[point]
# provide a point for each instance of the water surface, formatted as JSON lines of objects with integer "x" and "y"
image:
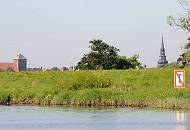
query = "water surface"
{"x": 46, "y": 118}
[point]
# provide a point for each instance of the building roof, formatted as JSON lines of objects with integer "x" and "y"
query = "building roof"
{"x": 19, "y": 56}
{"x": 5, "y": 66}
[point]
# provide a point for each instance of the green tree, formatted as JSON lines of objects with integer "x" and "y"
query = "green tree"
{"x": 10, "y": 69}
{"x": 128, "y": 63}
{"x": 184, "y": 59}
{"x": 106, "y": 57}
{"x": 55, "y": 69}
{"x": 183, "y": 22}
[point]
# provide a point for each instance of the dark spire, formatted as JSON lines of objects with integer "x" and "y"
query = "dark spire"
{"x": 162, "y": 46}
{"x": 162, "y": 49}
{"x": 162, "y": 58}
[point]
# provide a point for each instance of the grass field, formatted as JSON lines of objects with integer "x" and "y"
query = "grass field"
{"x": 135, "y": 88}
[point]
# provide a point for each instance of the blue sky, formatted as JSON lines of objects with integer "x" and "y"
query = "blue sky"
{"x": 56, "y": 32}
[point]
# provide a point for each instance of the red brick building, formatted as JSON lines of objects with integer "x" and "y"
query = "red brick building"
{"x": 19, "y": 64}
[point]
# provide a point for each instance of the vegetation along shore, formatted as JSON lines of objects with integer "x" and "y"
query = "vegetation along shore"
{"x": 134, "y": 88}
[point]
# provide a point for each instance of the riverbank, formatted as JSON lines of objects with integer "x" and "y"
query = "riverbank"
{"x": 134, "y": 88}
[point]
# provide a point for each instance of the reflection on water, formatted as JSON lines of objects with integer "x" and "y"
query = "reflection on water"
{"x": 181, "y": 118}
{"x": 45, "y": 118}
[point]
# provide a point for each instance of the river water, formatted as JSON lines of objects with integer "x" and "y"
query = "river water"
{"x": 48, "y": 118}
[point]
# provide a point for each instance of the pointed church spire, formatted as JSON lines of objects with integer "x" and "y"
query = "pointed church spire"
{"x": 162, "y": 49}
{"x": 162, "y": 58}
{"x": 162, "y": 46}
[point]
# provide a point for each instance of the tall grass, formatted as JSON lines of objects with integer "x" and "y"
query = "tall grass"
{"x": 138, "y": 88}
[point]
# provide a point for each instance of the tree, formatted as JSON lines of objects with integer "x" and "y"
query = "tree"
{"x": 128, "y": 63}
{"x": 10, "y": 69}
{"x": 55, "y": 69}
{"x": 105, "y": 57}
{"x": 183, "y": 22}
{"x": 184, "y": 59}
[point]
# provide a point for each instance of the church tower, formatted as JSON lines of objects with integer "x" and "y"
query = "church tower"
{"x": 20, "y": 63}
{"x": 162, "y": 58}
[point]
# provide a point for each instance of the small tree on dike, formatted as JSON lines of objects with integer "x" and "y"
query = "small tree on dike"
{"x": 105, "y": 57}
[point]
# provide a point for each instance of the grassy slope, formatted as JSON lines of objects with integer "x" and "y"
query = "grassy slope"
{"x": 150, "y": 87}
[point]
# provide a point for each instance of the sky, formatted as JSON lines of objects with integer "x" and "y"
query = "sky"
{"x": 57, "y": 32}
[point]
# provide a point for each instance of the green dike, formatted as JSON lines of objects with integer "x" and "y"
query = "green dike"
{"x": 135, "y": 88}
